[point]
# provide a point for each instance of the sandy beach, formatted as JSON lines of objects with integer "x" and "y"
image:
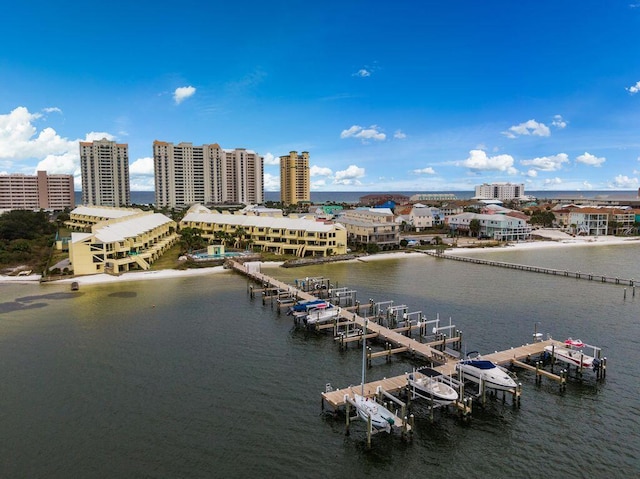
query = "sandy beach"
{"x": 553, "y": 239}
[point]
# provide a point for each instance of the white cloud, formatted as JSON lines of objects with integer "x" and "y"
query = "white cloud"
{"x": 52, "y": 109}
{"x": 530, "y": 127}
{"x": 548, "y": 163}
{"x": 20, "y": 139}
{"x": 182, "y": 93}
{"x": 362, "y": 73}
{"x": 271, "y": 160}
{"x": 320, "y": 171}
{"x": 591, "y": 160}
{"x": 398, "y": 135}
{"x": 318, "y": 184}
{"x": 633, "y": 89}
{"x": 142, "y": 167}
{"x": 349, "y": 176}
{"x": 478, "y": 160}
{"x": 98, "y": 135}
{"x": 552, "y": 181}
{"x": 559, "y": 122}
{"x": 425, "y": 171}
{"x": 532, "y": 173}
{"x": 623, "y": 181}
{"x": 371, "y": 133}
{"x": 271, "y": 182}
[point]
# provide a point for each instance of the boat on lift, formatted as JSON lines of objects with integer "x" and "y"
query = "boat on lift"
{"x": 304, "y": 306}
{"x": 482, "y": 370}
{"x": 320, "y": 315}
{"x": 431, "y": 385}
{"x": 571, "y": 353}
{"x": 381, "y": 417}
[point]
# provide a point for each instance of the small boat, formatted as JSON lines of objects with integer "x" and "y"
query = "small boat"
{"x": 75, "y": 286}
{"x": 570, "y": 355}
{"x": 493, "y": 376}
{"x": 430, "y": 385}
{"x": 320, "y": 315}
{"x": 381, "y": 417}
{"x": 305, "y": 306}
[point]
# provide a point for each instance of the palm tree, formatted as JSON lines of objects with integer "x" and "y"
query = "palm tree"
{"x": 474, "y": 227}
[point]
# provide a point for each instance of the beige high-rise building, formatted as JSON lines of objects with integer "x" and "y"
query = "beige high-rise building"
{"x": 105, "y": 173}
{"x": 207, "y": 174}
{"x": 34, "y": 192}
{"x": 294, "y": 178}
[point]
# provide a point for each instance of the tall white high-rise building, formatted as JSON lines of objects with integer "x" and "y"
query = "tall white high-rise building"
{"x": 105, "y": 173}
{"x": 207, "y": 174}
{"x": 501, "y": 191}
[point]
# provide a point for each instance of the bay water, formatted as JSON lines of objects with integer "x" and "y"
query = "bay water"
{"x": 189, "y": 377}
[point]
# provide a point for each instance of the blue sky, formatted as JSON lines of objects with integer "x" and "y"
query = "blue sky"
{"x": 407, "y": 95}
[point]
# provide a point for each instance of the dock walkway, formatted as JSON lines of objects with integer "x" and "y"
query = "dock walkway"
{"x": 537, "y": 269}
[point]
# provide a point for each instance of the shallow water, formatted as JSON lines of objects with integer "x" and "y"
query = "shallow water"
{"x": 188, "y": 377}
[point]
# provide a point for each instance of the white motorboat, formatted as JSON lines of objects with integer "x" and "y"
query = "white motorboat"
{"x": 381, "y": 417}
{"x": 431, "y": 385}
{"x": 571, "y": 355}
{"x": 321, "y": 315}
{"x": 492, "y": 375}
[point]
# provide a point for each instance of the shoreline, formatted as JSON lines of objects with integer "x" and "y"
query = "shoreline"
{"x": 556, "y": 242}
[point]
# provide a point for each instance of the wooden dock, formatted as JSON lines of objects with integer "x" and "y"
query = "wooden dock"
{"x": 600, "y": 278}
{"x": 525, "y": 356}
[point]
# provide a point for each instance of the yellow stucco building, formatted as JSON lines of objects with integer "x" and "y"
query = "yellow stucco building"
{"x": 282, "y": 235}
{"x": 130, "y": 239}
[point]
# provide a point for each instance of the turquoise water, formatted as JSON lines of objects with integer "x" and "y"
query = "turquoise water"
{"x": 189, "y": 377}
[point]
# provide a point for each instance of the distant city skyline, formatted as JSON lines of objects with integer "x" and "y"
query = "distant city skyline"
{"x": 410, "y": 96}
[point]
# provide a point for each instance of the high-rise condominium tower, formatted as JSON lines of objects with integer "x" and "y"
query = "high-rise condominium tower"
{"x": 105, "y": 173}
{"x": 294, "y": 178}
{"x": 207, "y": 174}
{"x": 33, "y": 192}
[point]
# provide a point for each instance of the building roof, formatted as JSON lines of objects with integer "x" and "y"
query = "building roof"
{"x": 262, "y": 222}
{"x": 122, "y": 230}
{"x": 105, "y": 212}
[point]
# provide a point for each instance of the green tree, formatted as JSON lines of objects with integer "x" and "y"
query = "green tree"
{"x": 474, "y": 227}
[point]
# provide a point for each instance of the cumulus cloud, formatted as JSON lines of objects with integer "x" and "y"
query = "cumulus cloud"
{"x": 633, "y": 89}
{"x": 320, "y": 171}
{"x": 532, "y": 173}
{"x": 398, "y": 135}
{"x": 20, "y": 139}
{"x": 425, "y": 171}
{"x": 623, "y": 181}
{"x": 271, "y": 182}
{"x": 271, "y": 160}
{"x": 559, "y": 122}
{"x": 142, "y": 167}
{"x": 547, "y": 163}
{"x": 591, "y": 160}
{"x": 552, "y": 181}
{"x": 362, "y": 73}
{"x": 530, "y": 127}
{"x": 349, "y": 176}
{"x": 478, "y": 160}
{"x": 52, "y": 109}
{"x": 182, "y": 93}
{"x": 371, "y": 133}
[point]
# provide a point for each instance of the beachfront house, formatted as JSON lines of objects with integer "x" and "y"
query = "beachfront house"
{"x": 494, "y": 226}
{"x": 371, "y": 226}
{"x": 589, "y": 221}
{"x": 281, "y": 235}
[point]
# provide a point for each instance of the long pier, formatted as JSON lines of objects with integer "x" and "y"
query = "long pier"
{"x": 601, "y": 278}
